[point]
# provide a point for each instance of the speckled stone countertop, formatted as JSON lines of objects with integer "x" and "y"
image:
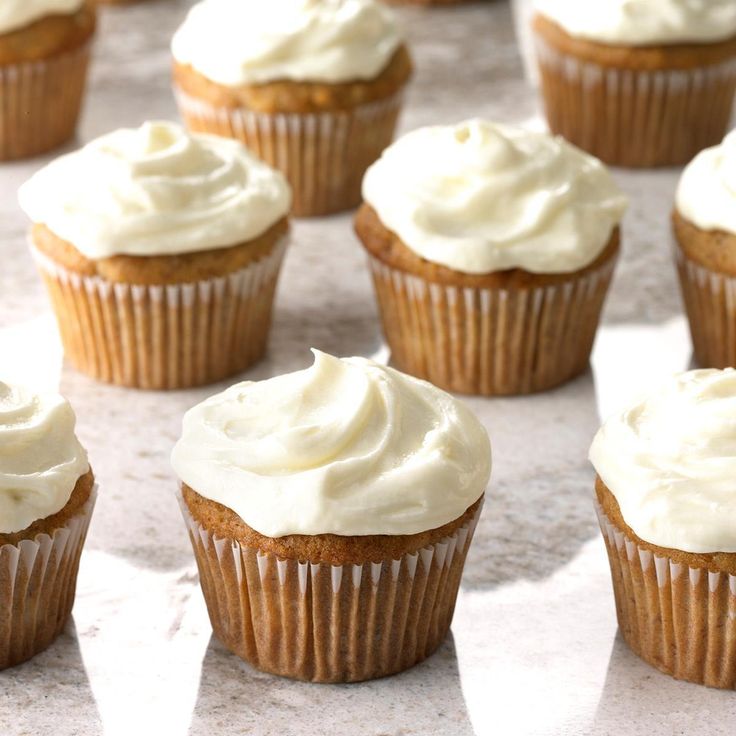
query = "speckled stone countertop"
{"x": 534, "y": 647}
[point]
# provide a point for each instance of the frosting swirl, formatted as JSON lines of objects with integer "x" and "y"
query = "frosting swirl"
{"x": 15, "y": 14}
{"x": 345, "y": 447}
{"x": 479, "y": 197}
{"x": 41, "y": 459}
{"x": 706, "y": 194}
{"x": 670, "y": 461}
{"x": 642, "y": 22}
{"x": 156, "y": 190}
{"x": 299, "y": 40}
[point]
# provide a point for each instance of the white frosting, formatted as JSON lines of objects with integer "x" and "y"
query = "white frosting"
{"x": 670, "y": 461}
{"x": 41, "y": 459}
{"x": 236, "y": 42}
{"x": 15, "y": 14}
{"x": 706, "y": 194}
{"x": 642, "y": 22}
{"x": 156, "y": 190}
{"x": 479, "y": 197}
{"x": 345, "y": 447}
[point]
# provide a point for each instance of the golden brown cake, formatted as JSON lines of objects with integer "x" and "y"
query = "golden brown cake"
{"x": 477, "y": 292}
{"x": 320, "y": 108}
{"x": 43, "y": 71}
{"x": 336, "y": 555}
{"x": 47, "y": 494}
{"x": 635, "y": 105}
{"x": 174, "y": 294}
{"x": 663, "y": 495}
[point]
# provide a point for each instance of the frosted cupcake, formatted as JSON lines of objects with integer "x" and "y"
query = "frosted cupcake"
{"x": 491, "y": 249}
{"x": 666, "y": 504}
{"x": 330, "y": 511}
{"x": 46, "y": 498}
{"x": 161, "y": 252}
{"x": 638, "y": 82}
{"x": 704, "y": 222}
{"x": 314, "y": 88}
{"x": 44, "y": 52}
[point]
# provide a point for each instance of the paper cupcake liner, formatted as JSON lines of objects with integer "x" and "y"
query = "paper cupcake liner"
{"x": 490, "y": 341}
{"x": 164, "y": 337}
{"x": 323, "y": 155}
{"x": 710, "y": 304}
{"x": 38, "y": 579}
{"x": 40, "y": 103}
{"x": 636, "y": 118}
{"x": 680, "y": 619}
{"x": 329, "y": 623}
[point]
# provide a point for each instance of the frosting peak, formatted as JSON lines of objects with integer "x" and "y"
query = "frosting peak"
{"x": 41, "y": 459}
{"x": 479, "y": 197}
{"x": 706, "y": 194}
{"x": 642, "y": 22}
{"x": 236, "y": 42}
{"x": 15, "y": 14}
{"x": 156, "y": 190}
{"x": 670, "y": 461}
{"x": 345, "y": 447}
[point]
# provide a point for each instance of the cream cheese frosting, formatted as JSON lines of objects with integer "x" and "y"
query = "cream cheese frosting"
{"x": 346, "y": 447}
{"x": 236, "y": 42}
{"x": 479, "y": 197}
{"x": 642, "y": 22}
{"x": 41, "y": 459}
{"x": 15, "y": 14}
{"x": 670, "y": 461}
{"x": 156, "y": 190}
{"x": 706, "y": 194}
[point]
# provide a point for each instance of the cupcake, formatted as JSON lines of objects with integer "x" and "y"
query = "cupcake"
{"x": 313, "y": 88}
{"x": 666, "y": 504}
{"x": 160, "y": 251}
{"x": 47, "y": 493}
{"x": 704, "y": 222}
{"x": 330, "y": 511}
{"x": 491, "y": 249}
{"x": 638, "y": 82}
{"x": 44, "y": 53}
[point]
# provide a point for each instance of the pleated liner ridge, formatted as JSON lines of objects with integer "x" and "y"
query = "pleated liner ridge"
{"x": 680, "y": 619}
{"x": 326, "y": 623}
{"x": 490, "y": 341}
{"x": 40, "y": 102}
{"x": 164, "y": 337}
{"x": 636, "y": 118}
{"x": 323, "y": 155}
{"x": 38, "y": 580}
{"x": 710, "y": 303}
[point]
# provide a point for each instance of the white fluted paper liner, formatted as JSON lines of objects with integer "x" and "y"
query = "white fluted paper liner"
{"x": 323, "y": 155}
{"x": 636, "y": 118}
{"x": 680, "y": 619}
{"x": 329, "y": 623}
{"x": 40, "y": 102}
{"x": 164, "y": 337}
{"x": 490, "y": 341}
{"x": 38, "y": 580}
{"x": 710, "y": 304}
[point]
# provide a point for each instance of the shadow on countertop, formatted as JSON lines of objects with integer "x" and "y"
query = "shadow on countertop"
{"x": 237, "y": 699}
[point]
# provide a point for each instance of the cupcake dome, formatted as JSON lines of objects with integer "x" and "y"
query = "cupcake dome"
{"x": 638, "y": 82}
{"x": 170, "y": 244}
{"x": 487, "y": 242}
{"x": 46, "y": 500}
{"x": 705, "y": 234}
{"x": 313, "y": 88}
{"x": 665, "y": 492}
{"x": 349, "y": 475}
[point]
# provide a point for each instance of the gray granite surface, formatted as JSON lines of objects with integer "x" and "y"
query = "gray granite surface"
{"x": 534, "y": 647}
